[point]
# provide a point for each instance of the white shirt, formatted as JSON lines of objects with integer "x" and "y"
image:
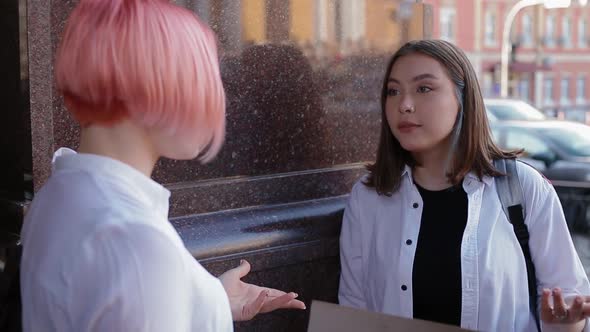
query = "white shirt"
{"x": 99, "y": 254}
{"x": 376, "y": 261}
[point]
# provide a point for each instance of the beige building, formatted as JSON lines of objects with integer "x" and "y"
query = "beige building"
{"x": 333, "y": 26}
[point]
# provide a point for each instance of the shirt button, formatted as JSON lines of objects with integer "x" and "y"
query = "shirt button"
{"x": 415, "y": 205}
{"x": 404, "y": 287}
{"x": 408, "y": 242}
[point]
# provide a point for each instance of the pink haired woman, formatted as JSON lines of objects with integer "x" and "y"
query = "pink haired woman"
{"x": 142, "y": 79}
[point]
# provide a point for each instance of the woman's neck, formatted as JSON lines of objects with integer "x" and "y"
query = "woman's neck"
{"x": 124, "y": 141}
{"x": 431, "y": 174}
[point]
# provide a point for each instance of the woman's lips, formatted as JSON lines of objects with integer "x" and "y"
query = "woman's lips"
{"x": 407, "y": 127}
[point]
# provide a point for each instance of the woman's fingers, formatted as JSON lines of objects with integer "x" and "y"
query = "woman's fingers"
{"x": 577, "y": 308}
{"x": 554, "y": 308}
{"x": 274, "y": 293}
{"x": 560, "y": 309}
{"x": 546, "y": 309}
{"x": 285, "y": 301}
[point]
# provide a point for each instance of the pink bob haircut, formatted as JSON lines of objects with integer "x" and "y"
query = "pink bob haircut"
{"x": 148, "y": 60}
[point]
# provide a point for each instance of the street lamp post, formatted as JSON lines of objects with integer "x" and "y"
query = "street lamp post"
{"x": 549, "y": 4}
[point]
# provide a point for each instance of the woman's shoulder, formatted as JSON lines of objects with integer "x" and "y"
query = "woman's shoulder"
{"x": 126, "y": 247}
{"x": 361, "y": 189}
{"x": 535, "y": 186}
{"x": 367, "y": 195}
{"x": 531, "y": 178}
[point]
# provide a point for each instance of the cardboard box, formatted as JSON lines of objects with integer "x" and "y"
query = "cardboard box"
{"x": 326, "y": 317}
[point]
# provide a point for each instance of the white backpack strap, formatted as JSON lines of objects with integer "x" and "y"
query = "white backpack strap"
{"x": 509, "y": 188}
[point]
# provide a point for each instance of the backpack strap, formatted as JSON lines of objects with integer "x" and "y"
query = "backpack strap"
{"x": 512, "y": 199}
{"x": 509, "y": 188}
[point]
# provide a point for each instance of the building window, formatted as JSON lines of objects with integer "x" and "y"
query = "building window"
{"x": 490, "y": 28}
{"x": 447, "y": 24}
{"x": 581, "y": 90}
{"x": 582, "y": 26}
{"x": 527, "y": 30}
{"x": 524, "y": 89}
{"x": 488, "y": 85}
{"x": 321, "y": 20}
{"x": 550, "y": 31}
{"x": 548, "y": 91}
{"x": 564, "y": 91}
{"x": 566, "y": 32}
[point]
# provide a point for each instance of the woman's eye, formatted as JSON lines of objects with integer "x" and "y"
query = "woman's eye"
{"x": 424, "y": 89}
{"x": 392, "y": 92}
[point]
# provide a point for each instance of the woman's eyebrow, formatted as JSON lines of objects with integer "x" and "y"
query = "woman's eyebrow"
{"x": 416, "y": 78}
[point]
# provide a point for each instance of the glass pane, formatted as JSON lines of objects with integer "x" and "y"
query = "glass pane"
{"x": 514, "y": 110}
{"x": 302, "y": 81}
{"x": 531, "y": 144}
{"x": 574, "y": 140}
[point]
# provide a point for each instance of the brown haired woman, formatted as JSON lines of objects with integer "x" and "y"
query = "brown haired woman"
{"x": 425, "y": 236}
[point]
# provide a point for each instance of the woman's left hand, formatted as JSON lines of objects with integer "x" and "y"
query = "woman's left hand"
{"x": 560, "y": 312}
{"x": 247, "y": 300}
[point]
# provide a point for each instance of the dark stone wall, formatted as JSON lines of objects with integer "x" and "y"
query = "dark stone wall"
{"x": 15, "y": 137}
{"x": 302, "y": 121}
{"x": 14, "y": 118}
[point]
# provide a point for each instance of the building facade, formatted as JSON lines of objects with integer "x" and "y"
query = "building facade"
{"x": 550, "y": 62}
{"x": 330, "y": 26}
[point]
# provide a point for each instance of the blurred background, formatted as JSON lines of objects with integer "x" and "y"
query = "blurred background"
{"x": 303, "y": 79}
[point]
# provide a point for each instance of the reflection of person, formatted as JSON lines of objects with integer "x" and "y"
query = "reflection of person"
{"x": 142, "y": 79}
{"x": 424, "y": 234}
{"x": 274, "y": 92}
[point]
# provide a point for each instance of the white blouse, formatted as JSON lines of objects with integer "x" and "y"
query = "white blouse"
{"x": 100, "y": 255}
{"x": 377, "y": 262}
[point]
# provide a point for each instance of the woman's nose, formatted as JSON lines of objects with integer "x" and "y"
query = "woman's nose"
{"x": 405, "y": 108}
{"x": 406, "y": 105}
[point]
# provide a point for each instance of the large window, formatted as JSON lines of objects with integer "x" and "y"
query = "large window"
{"x": 564, "y": 91}
{"x": 488, "y": 84}
{"x": 581, "y": 90}
{"x": 548, "y": 91}
{"x": 566, "y": 31}
{"x": 524, "y": 88}
{"x": 447, "y": 23}
{"x": 582, "y": 27}
{"x": 550, "y": 31}
{"x": 527, "y": 29}
{"x": 490, "y": 28}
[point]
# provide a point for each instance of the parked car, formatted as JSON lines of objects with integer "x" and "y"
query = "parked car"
{"x": 561, "y": 151}
{"x": 511, "y": 110}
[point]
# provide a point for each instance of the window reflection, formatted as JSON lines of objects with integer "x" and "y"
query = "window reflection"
{"x": 330, "y": 27}
{"x": 302, "y": 80}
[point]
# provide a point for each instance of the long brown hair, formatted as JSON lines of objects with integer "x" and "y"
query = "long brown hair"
{"x": 475, "y": 149}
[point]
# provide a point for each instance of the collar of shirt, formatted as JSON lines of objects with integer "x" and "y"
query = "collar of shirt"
{"x": 130, "y": 180}
{"x": 470, "y": 177}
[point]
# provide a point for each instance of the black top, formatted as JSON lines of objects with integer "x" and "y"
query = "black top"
{"x": 436, "y": 276}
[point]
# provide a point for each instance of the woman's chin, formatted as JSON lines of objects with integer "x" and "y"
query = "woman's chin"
{"x": 413, "y": 147}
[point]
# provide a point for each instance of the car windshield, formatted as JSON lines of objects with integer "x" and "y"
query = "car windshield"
{"x": 491, "y": 116}
{"x": 515, "y": 110}
{"x": 574, "y": 141}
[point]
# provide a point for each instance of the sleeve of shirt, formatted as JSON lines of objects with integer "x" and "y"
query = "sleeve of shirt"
{"x": 129, "y": 277}
{"x": 555, "y": 258}
{"x": 350, "y": 292}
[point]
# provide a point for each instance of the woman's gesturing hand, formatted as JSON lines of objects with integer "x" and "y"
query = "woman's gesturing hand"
{"x": 247, "y": 300}
{"x": 560, "y": 312}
